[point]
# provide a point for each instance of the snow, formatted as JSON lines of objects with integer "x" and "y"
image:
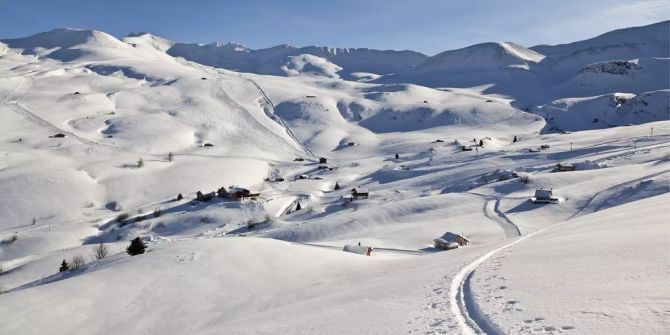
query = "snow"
{"x": 592, "y": 263}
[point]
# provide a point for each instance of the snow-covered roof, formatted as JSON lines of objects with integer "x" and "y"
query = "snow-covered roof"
{"x": 542, "y": 193}
{"x": 449, "y": 237}
{"x": 357, "y": 249}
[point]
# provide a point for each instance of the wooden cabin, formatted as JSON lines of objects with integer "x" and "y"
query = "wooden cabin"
{"x": 358, "y": 249}
{"x": 543, "y": 196}
{"x": 357, "y": 194}
{"x": 563, "y": 167}
{"x": 450, "y": 241}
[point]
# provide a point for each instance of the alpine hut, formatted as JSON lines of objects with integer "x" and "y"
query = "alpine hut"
{"x": 543, "y": 196}
{"x": 450, "y": 241}
{"x": 562, "y": 167}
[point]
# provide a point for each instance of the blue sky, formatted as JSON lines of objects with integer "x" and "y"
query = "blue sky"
{"x": 429, "y": 26}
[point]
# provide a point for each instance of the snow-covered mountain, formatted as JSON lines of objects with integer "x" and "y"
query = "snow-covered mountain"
{"x": 531, "y": 75}
{"x": 271, "y": 60}
{"x": 103, "y": 140}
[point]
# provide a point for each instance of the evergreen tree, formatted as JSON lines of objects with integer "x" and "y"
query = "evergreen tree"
{"x": 64, "y": 266}
{"x": 136, "y": 247}
{"x": 515, "y": 139}
{"x": 481, "y": 143}
{"x": 337, "y": 186}
{"x": 170, "y": 157}
{"x": 298, "y": 207}
{"x": 140, "y": 163}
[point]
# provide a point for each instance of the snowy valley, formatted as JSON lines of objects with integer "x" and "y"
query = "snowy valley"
{"x": 246, "y": 172}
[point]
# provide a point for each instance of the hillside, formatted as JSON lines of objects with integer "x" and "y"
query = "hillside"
{"x": 248, "y": 174}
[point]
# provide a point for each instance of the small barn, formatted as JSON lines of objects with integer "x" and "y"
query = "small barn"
{"x": 357, "y": 194}
{"x": 563, "y": 167}
{"x": 358, "y": 249}
{"x": 450, "y": 241}
{"x": 543, "y": 196}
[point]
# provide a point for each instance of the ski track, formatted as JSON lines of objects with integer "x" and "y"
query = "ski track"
{"x": 278, "y": 118}
{"x": 462, "y": 305}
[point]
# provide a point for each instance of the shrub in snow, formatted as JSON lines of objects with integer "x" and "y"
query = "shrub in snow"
{"x": 64, "y": 266}
{"x": 157, "y": 212}
{"x": 10, "y": 240}
{"x": 136, "y": 247}
{"x": 122, "y": 217}
{"x": 77, "y": 262}
{"x": 251, "y": 224}
{"x": 100, "y": 252}
{"x": 113, "y": 206}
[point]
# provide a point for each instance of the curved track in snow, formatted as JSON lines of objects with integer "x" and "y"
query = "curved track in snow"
{"x": 470, "y": 318}
{"x": 278, "y": 118}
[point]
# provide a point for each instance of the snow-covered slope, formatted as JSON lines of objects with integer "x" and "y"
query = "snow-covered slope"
{"x": 103, "y": 140}
{"x": 618, "y": 109}
{"x": 311, "y": 65}
{"x": 237, "y": 57}
{"x": 627, "y": 43}
{"x": 595, "y": 275}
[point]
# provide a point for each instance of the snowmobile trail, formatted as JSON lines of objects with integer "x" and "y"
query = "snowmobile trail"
{"x": 470, "y": 318}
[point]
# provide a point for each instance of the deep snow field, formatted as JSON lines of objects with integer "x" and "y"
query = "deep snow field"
{"x": 596, "y": 262}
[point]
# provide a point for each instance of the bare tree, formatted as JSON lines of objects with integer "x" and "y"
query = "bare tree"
{"x": 170, "y": 157}
{"x": 100, "y": 252}
{"x": 140, "y": 163}
{"x": 77, "y": 261}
